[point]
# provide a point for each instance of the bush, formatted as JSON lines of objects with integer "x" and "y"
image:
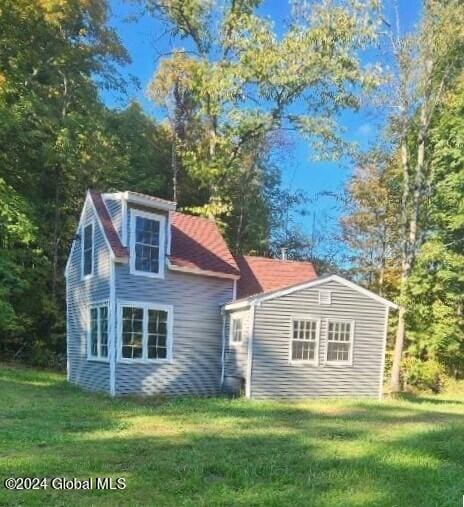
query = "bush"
{"x": 423, "y": 374}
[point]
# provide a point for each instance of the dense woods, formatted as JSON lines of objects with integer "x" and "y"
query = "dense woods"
{"x": 227, "y": 101}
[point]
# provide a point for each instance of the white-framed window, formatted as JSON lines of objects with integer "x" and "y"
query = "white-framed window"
{"x": 325, "y": 297}
{"x": 145, "y": 332}
{"x": 340, "y": 335}
{"x": 147, "y": 243}
{"x": 87, "y": 240}
{"x": 98, "y": 332}
{"x": 304, "y": 340}
{"x": 236, "y": 330}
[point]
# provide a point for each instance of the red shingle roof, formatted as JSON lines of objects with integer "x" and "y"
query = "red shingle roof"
{"x": 197, "y": 243}
{"x": 260, "y": 274}
{"x": 111, "y": 235}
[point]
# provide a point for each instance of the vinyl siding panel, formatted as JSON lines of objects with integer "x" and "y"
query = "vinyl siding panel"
{"x": 81, "y": 294}
{"x": 197, "y": 345}
{"x": 272, "y": 374}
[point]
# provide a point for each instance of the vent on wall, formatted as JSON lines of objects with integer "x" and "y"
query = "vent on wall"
{"x": 325, "y": 297}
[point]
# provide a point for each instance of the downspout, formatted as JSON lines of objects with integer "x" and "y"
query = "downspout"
{"x": 223, "y": 353}
{"x": 250, "y": 351}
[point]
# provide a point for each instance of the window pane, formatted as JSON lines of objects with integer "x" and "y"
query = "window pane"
{"x": 146, "y": 258}
{"x": 305, "y": 330}
{"x": 157, "y": 334}
{"x": 236, "y": 330}
{"x": 147, "y": 231}
{"x": 87, "y": 250}
{"x": 94, "y": 332}
{"x": 132, "y": 332}
{"x": 303, "y": 350}
{"x": 337, "y": 351}
{"x": 104, "y": 331}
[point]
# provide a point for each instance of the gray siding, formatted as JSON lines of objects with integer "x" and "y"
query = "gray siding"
{"x": 197, "y": 347}
{"x": 115, "y": 210}
{"x": 273, "y": 375}
{"x": 80, "y": 295}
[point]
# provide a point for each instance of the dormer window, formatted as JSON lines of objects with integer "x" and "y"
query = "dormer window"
{"x": 87, "y": 250}
{"x": 147, "y": 244}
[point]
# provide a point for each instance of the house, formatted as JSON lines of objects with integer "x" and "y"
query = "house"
{"x": 157, "y": 304}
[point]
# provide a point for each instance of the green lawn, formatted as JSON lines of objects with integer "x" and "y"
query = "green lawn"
{"x": 229, "y": 452}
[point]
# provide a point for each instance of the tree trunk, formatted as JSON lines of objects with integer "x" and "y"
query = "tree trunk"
{"x": 395, "y": 380}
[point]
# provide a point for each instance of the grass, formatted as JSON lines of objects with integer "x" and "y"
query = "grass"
{"x": 193, "y": 452}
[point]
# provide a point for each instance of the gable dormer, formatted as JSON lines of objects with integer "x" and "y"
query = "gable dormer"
{"x": 143, "y": 223}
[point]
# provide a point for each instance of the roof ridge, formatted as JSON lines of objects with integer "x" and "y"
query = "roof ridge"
{"x": 273, "y": 259}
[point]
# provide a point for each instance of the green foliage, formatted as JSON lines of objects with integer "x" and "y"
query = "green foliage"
{"x": 424, "y": 375}
{"x": 57, "y": 141}
{"x": 242, "y": 83}
{"x": 436, "y": 286}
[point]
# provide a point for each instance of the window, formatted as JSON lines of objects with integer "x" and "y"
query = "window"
{"x": 147, "y": 243}
{"x": 339, "y": 341}
{"x": 87, "y": 250}
{"x": 304, "y": 342}
{"x": 98, "y": 332}
{"x": 325, "y": 297}
{"x": 236, "y": 331}
{"x": 145, "y": 332}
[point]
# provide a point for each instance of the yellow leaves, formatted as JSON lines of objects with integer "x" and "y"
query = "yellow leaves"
{"x": 2, "y": 80}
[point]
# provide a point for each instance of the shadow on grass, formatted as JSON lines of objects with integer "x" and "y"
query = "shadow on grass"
{"x": 229, "y": 452}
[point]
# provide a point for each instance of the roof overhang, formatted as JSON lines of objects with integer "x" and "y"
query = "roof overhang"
{"x": 265, "y": 296}
{"x": 143, "y": 200}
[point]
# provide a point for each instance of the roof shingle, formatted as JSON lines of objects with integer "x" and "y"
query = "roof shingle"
{"x": 197, "y": 243}
{"x": 261, "y": 274}
{"x": 108, "y": 227}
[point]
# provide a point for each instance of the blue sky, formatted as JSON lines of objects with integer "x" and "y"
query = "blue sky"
{"x": 146, "y": 42}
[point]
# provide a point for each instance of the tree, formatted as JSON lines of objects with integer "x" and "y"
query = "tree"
{"x": 426, "y": 66}
{"x": 435, "y": 292}
{"x": 369, "y": 223}
{"x": 240, "y": 83}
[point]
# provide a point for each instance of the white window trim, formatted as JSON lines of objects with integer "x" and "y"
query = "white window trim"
{"x": 86, "y": 224}
{"x": 350, "y": 356}
{"x": 90, "y": 357}
{"x": 145, "y": 306}
{"x": 329, "y": 292}
{"x": 134, "y": 213}
{"x": 315, "y": 361}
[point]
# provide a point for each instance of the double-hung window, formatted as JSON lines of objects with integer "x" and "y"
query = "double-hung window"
{"x": 305, "y": 340}
{"x": 87, "y": 250}
{"x": 340, "y": 341}
{"x": 147, "y": 243}
{"x": 98, "y": 332}
{"x": 145, "y": 332}
{"x": 236, "y": 330}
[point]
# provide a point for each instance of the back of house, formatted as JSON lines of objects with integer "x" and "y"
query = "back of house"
{"x": 157, "y": 304}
